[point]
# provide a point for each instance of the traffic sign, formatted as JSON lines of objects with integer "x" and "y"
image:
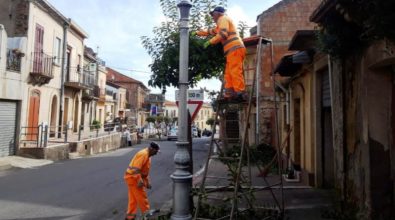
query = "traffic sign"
{"x": 193, "y": 108}
{"x": 193, "y": 95}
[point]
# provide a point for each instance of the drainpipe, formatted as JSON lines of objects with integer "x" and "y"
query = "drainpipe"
{"x": 66, "y": 26}
{"x": 1, "y": 41}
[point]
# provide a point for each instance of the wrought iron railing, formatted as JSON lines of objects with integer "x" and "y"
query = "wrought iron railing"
{"x": 88, "y": 79}
{"x": 42, "y": 64}
{"x": 14, "y": 58}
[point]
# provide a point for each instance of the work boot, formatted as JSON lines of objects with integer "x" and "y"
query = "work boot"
{"x": 240, "y": 96}
{"x": 130, "y": 216}
{"x": 151, "y": 212}
{"x": 228, "y": 94}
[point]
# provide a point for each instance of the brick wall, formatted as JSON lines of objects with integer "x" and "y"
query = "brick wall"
{"x": 279, "y": 23}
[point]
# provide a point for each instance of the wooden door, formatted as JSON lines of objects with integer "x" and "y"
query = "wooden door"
{"x": 34, "y": 107}
{"x": 38, "y": 49}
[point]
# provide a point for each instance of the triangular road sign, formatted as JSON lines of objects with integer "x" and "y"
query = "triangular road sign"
{"x": 193, "y": 108}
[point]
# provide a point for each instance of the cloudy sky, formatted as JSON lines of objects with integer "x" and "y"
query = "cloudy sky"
{"x": 115, "y": 28}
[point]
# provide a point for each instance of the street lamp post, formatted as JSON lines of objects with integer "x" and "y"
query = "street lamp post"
{"x": 182, "y": 177}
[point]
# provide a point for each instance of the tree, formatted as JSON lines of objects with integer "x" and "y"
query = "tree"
{"x": 164, "y": 46}
{"x": 150, "y": 119}
{"x": 210, "y": 121}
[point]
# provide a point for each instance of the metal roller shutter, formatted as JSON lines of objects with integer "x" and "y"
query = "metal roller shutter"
{"x": 7, "y": 128}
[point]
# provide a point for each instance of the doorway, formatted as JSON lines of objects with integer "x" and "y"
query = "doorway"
{"x": 75, "y": 119}
{"x": 52, "y": 125}
{"x": 34, "y": 107}
{"x": 297, "y": 134}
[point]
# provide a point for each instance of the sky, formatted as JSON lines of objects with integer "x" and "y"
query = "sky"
{"x": 115, "y": 27}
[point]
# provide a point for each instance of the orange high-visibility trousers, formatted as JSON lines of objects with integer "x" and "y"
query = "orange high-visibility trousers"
{"x": 234, "y": 77}
{"x": 137, "y": 197}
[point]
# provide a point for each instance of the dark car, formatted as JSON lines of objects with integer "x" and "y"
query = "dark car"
{"x": 207, "y": 133}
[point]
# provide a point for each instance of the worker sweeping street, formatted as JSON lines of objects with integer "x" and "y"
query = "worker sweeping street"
{"x": 234, "y": 50}
{"x": 136, "y": 178}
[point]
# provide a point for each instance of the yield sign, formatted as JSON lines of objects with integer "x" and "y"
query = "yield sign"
{"x": 193, "y": 108}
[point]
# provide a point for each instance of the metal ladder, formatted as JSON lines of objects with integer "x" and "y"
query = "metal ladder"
{"x": 238, "y": 178}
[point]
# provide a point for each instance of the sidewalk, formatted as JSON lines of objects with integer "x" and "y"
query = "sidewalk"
{"x": 301, "y": 202}
{"x": 9, "y": 162}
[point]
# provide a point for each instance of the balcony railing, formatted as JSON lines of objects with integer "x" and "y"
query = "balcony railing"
{"x": 14, "y": 60}
{"x": 88, "y": 78}
{"x": 41, "y": 69}
{"x": 77, "y": 80}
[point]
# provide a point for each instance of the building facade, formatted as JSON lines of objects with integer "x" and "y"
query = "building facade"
{"x": 136, "y": 93}
{"x": 278, "y": 23}
{"x": 52, "y": 47}
{"x": 11, "y": 94}
{"x": 206, "y": 112}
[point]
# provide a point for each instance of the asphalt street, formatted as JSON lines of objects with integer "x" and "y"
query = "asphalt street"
{"x": 87, "y": 188}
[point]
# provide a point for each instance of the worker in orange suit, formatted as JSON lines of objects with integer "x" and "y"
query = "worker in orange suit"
{"x": 234, "y": 50}
{"x": 136, "y": 178}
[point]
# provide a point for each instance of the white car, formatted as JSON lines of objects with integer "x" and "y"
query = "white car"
{"x": 172, "y": 134}
{"x": 194, "y": 132}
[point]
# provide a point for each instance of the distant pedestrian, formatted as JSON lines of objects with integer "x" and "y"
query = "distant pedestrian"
{"x": 136, "y": 178}
{"x": 127, "y": 136}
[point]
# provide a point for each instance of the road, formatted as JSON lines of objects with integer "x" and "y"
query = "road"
{"x": 87, "y": 188}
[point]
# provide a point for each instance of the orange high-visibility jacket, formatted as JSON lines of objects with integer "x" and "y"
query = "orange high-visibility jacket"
{"x": 226, "y": 33}
{"x": 139, "y": 166}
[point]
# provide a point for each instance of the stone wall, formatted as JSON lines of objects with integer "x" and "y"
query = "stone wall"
{"x": 54, "y": 152}
{"x": 97, "y": 145}
{"x": 83, "y": 148}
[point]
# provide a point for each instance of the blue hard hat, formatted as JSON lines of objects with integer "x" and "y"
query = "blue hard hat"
{"x": 218, "y": 9}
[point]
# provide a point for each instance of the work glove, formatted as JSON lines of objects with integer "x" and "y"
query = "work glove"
{"x": 149, "y": 186}
{"x": 206, "y": 44}
{"x": 140, "y": 184}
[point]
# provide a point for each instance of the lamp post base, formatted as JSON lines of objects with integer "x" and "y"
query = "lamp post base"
{"x": 182, "y": 189}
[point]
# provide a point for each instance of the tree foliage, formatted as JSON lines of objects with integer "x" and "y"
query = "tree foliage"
{"x": 163, "y": 47}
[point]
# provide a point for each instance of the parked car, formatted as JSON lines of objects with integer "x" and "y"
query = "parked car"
{"x": 207, "y": 132}
{"x": 194, "y": 132}
{"x": 172, "y": 134}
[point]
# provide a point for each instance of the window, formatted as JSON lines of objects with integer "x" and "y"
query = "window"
{"x": 57, "y": 51}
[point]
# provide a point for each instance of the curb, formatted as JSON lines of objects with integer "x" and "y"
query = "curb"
{"x": 5, "y": 166}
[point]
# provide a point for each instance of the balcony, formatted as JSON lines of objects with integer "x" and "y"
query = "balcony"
{"x": 91, "y": 94}
{"x": 14, "y": 60}
{"x": 78, "y": 81}
{"x": 102, "y": 95}
{"x": 41, "y": 72}
{"x": 96, "y": 91}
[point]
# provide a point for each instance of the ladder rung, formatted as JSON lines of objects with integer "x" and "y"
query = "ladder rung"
{"x": 226, "y": 158}
{"x": 229, "y": 139}
{"x": 217, "y": 177}
{"x": 231, "y": 120}
{"x": 225, "y": 102}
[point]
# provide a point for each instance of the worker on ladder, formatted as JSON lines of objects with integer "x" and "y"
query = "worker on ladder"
{"x": 234, "y": 50}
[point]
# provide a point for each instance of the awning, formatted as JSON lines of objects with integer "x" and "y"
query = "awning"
{"x": 290, "y": 64}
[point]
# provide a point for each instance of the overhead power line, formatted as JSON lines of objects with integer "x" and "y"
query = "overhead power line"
{"x": 131, "y": 70}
